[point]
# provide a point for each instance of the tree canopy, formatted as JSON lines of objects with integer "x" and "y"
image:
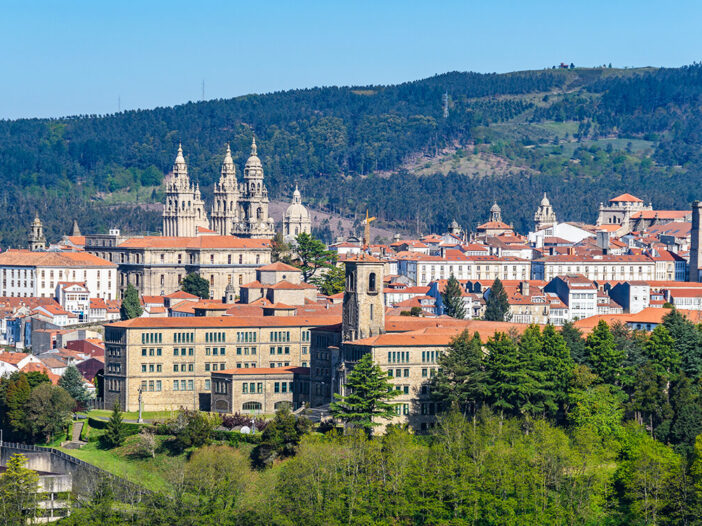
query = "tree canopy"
{"x": 196, "y": 285}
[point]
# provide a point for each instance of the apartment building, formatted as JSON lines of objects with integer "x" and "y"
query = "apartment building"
{"x": 605, "y": 267}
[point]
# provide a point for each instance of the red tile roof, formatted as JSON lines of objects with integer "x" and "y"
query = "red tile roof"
{"x": 198, "y": 242}
{"x": 27, "y": 258}
{"x": 278, "y": 267}
{"x": 627, "y": 198}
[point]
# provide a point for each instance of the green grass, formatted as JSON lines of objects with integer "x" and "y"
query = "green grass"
{"x": 133, "y": 415}
{"x": 152, "y": 473}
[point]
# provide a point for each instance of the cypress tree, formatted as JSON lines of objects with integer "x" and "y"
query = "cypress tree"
{"x": 497, "y": 305}
{"x": 453, "y": 299}
{"x": 72, "y": 381}
{"x": 131, "y": 306}
{"x": 114, "y": 431}
{"x": 660, "y": 350}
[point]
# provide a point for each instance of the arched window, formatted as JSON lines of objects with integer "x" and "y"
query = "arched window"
{"x": 350, "y": 281}
{"x": 251, "y": 406}
{"x": 259, "y": 213}
{"x": 281, "y": 405}
{"x": 296, "y": 231}
{"x": 241, "y": 259}
{"x": 371, "y": 282}
{"x": 258, "y": 258}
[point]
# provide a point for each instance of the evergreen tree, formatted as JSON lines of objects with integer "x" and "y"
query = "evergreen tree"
{"x": 648, "y": 401}
{"x": 19, "y": 488}
{"x": 131, "y": 306}
{"x": 280, "y": 250}
{"x": 196, "y": 285}
{"x": 497, "y": 306}
{"x": 312, "y": 255}
{"x": 72, "y": 381}
{"x": 688, "y": 342}
{"x": 280, "y": 438}
{"x": 602, "y": 355}
{"x": 558, "y": 366}
{"x": 461, "y": 380}
{"x": 660, "y": 350}
{"x": 452, "y": 298}
{"x": 115, "y": 432}
{"x": 17, "y": 395}
{"x": 510, "y": 386}
{"x": 575, "y": 342}
{"x": 369, "y": 390}
{"x": 540, "y": 396}
{"x": 687, "y": 415}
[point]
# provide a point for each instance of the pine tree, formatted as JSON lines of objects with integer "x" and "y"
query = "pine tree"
{"x": 461, "y": 380}
{"x": 575, "y": 342}
{"x": 660, "y": 350}
{"x": 688, "y": 342}
{"x": 602, "y": 355}
{"x": 509, "y": 385}
{"x": 687, "y": 415}
{"x": 558, "y": 365}
{"x": 452, "y": 298}
{"x": 497, "y": 306}
{"x": 131, "y": 306}
{"x": 115, "y": 431}
{"x": 313, "y": 255}
{"x": 369, "y": 390}
{"x": 196, "y": 285}
{"x": 72, "y": 381}
{"x": 538, "y": 394}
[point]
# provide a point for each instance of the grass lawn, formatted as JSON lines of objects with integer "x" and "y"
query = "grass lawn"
{"x": 133, "y": 415}
{"x": 152, "y": 473}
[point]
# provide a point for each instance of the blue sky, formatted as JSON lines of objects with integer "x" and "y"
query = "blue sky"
{"x": 80, "y": 57}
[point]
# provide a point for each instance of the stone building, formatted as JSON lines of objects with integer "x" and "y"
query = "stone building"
{"x": 495, "y": 226}
{"x": 184, "y": 209}
{"x": 364, "y": 304}
{"x": 156, "y": 265}
{"x": 261, "y": 390}
{"x": 695, "y": 243}
{"x": 545, "y": 216}
{"x": 619, "y": 211}
{"x": 253, "y": 220}
{"x": 171, "y": 359}
{"x": 37, "y": 241}
{"x": 225, "y": 208}
{"x": 296, "y": 219}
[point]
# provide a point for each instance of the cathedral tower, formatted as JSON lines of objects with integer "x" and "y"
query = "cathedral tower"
{"x": 184, "y": 210}
{"x": 364, "y": 305}
{"x": 37, "y": 241}
{"x": 226, "y": 197}
{"x": 545, "y": 216}
{"x": 495, "y": 213}
{"x": 253, "y": 220}
{"x": 296, "y": 219}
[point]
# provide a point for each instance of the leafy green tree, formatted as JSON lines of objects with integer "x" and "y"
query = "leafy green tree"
{"x": 600, "y": 409}
{"x": 72, "y": 381}
{"x": 280, "y": 250}
{"x": 17, "y": 395}
{"x": 280, "y": 438}
{"x": 539, "y": 395}
{"x": 602, "y": 355}
{"x": 49, "y": 411}
{"x": 115, "y": 430}
{"x": 35, "y": 378}
{"x": 313, "y": 255}
{"x": 131, "y": 306}
{"x": 660, "y": 349}
{"x": 196, "y": 285}
{"x": 368, "y": 391}
{"x": 19, "y": 488}
{"x": 416, "y": 311}
{"x": 461, "y": 380}
{"x": 497, "y": 305}
{"x": 452, "y": 298}
{"x": 332, "y": 281}
{"x": 198, "y": 428}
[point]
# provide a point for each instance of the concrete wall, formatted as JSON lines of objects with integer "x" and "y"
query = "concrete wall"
{"x": 86, "y": 477}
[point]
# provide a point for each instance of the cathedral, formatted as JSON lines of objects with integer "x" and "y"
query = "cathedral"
{"x": 296, "y": 219}
{"x": 545, "y": 216}
{"x": 238, "y": 209}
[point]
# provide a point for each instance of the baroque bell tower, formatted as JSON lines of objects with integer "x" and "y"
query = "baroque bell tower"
{"x": 253, "y": 220}
{"x": 37, "y": 241}
{"x": 226, "y": 196}
{"x": 184, "y": 210}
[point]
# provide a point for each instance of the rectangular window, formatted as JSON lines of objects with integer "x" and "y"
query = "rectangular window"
{"x": 245, "y": 388}
{"x": 221, "y": 351}
{"x": 143, "y": 352}
{"x": 284, "y": 387}
{"x": 191, "y": 367}
{"x": 158, "y": 368}
{"x": 259, "y": 387}
{"x": 175, "y": 367}
{"x": 158, "y": 385}
{"x": 276, "y": 387}
{"x": 208, "y": 351}
{"x": 207, "y": 385}
{"x": 406, "y": 373}
{"x": 175, "y": 385}
{"x": 424, "y": 372}
{"x": 151, "y": 368}
{"x": 143, "y": 367}
{"x": 191, "y": 385}
{"x": 207, "y": 367}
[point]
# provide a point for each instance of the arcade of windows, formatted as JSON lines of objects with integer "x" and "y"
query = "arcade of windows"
{"x": 246, "y": 337}
{"x": 151, "y": 337}
{"x": 214, "y": 337}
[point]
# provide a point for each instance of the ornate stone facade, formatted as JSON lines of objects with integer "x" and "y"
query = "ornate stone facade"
{"x": 184, "y": 210}
{"x": 545, "y": 216}
{"x": 296, "y": 219}
{"x": 225, "y": 209}
{"x": 253, "y": 220}
{"x": 37, "y": 241}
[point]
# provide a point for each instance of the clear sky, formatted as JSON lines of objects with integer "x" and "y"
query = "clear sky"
{"x": 67, "y": 57}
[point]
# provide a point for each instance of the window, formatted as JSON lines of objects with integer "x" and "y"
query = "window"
{"x": 175, "y": 385}
{"x": 245, "y": 388}
{"x": 207, "y": 385}
{"x": 276, "y": 387}
{"x": 251, "y": 406}
{"x": 191, "y": 385}
{"x": 371, "y": 282}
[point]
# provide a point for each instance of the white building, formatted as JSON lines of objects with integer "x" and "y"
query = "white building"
{"x": 577, "y": 292}
{"x": 606, "y": 267}
{"x": 24, "y": 273}
{"x": 74, "y": 297}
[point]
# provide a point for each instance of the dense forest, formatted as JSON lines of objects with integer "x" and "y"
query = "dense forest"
{"x": 580, "y": 134}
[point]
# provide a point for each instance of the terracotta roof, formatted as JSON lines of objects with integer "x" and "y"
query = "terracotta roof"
{"x": 225, "y": 321}
{"x": 648, "y": 315}
{"x": 205, "y": 230}
{"x": 155, "y": 300}
{"x": 198, "y": 242}
{"x": 40, "y": 368}
{"x": 362, "y": 257}
{"x": 280, "y": 306}
{"x": 609, "y": 228}
{"x": 181, "y": 295}
{"x": 265, "y": 370}
{"x": 12, "y": 357}
{"x": 278, "y": 267}
{"x": 686, "y": 293}
{"x": 627, "y": 198}
{"x": 286, "y": 285}
{"x": 27, "y": 258}
{"x": 494, "y": 225}
{"x": 661, "y": 214}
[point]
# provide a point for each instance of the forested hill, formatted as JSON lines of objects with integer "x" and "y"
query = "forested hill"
{"x": 580, "y": 134}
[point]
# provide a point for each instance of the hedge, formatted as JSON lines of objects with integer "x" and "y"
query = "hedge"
{"x": 129, "y": 428}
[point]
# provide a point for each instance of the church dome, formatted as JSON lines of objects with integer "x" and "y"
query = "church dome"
{"x": 495, "y": 208}
{"x": 297, "y": 210}
{"x": 253, "y": 163}
{"x": 545, "y": 201}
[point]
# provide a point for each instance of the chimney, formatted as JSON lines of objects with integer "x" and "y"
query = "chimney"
{"x": 524, "y": 288}
{"x": 695, "y": 243}
{"x": 603, "y": 241}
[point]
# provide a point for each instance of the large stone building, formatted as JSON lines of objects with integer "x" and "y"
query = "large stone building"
{"x": 545, "y": 216}
{"x": 695, "y": 243}
{"x": 171, "y": 359}
{"x": 296, "y": 219}
{"x": 237, "y": 209}
{"x": 156, "y": 265}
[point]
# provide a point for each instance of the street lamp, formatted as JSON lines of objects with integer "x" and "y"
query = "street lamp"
{"x": 140, "y": 420}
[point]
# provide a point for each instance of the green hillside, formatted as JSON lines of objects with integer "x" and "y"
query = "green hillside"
{"x": 580, "y": 134}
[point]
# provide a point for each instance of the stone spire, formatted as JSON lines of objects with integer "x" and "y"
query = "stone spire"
{"x": 225, "y": 207}
{"x": 76, "y": 229}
